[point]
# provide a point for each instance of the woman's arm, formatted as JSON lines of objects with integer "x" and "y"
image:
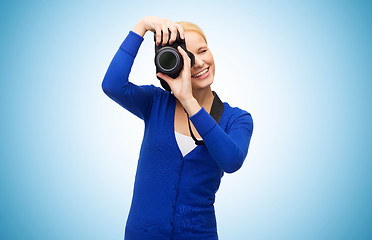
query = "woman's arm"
{"x": 227, "y": 149}
{"x": 136, "y": 99}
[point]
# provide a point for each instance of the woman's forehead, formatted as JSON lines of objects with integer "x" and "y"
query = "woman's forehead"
{"x": 194, "y": 40}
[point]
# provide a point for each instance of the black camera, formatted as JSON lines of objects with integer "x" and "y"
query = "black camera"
{"x": 168, "y": 59}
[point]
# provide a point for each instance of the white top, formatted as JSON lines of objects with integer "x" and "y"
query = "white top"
{"x": 185, "y": 143}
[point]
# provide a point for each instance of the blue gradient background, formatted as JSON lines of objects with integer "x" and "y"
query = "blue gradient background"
{"x": 301, "y": 68}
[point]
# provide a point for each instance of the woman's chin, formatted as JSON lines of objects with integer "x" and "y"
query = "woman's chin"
{"x": 202, "y": 83}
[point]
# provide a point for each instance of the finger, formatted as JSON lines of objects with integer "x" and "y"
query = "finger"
{"x": 158, "y": 35}
{"x": 173, "y": 34}
{"x": 185, "y": 57}
{"x": 165, "y": 34}
{"x": 180, "y": 29}
{"x": 166, "y": 78}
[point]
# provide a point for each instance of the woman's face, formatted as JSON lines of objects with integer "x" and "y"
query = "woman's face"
{"x": 202, "y": 73}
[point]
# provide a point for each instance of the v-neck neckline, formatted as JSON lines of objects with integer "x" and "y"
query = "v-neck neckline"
{"x": 173, "y": 131}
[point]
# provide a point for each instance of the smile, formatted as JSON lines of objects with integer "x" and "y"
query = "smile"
{"x": 202, "y": 74}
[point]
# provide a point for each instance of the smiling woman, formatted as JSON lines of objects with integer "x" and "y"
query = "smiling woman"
{"x": 177, "y": 178}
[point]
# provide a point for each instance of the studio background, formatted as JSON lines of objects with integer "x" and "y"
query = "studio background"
{"x": 301, "y": 68}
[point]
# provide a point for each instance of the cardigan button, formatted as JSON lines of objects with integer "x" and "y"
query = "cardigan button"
{"x": 176, "y": 188}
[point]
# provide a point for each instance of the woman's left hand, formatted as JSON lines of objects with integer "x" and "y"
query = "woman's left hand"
{"x": 181, "y": 86}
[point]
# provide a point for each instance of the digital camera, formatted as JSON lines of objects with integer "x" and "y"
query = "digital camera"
{"x": 168, "y": 59}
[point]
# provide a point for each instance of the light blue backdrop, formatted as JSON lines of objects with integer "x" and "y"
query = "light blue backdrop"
{"x": 301, "y": 68}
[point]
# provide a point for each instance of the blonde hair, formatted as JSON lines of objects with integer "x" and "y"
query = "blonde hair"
{"x": 188, "y": 26}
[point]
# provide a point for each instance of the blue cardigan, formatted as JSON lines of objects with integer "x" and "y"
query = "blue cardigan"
{"x": 173, "y": 195}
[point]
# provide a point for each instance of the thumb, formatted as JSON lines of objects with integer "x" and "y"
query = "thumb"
{"x": 165, "y": 77}
{"x": 186, "y": 58}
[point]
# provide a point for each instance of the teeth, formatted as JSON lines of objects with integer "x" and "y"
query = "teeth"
{"x": 201, "y": 73}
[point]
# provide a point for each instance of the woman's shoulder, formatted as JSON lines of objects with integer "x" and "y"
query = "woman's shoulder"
{"x": 158, "y": 91}
{"x": 161, "y": 93}
{"x": 161, "y": 96}
{"x": 233, "y": 115}
{"x": 234, "y": 111}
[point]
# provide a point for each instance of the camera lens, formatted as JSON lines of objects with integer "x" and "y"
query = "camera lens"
{"x": 167, "y": 60}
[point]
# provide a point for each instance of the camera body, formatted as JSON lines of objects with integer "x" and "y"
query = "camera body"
{"x": 168, "y": 59}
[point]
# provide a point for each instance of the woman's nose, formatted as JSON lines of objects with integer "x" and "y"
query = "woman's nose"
{"x": 198, "y": 62}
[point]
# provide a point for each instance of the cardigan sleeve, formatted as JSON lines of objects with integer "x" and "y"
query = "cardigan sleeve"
{"x": 136, "y": 99}
{"x": 228, "y": 149}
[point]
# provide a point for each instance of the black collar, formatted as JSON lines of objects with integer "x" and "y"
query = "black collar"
{"x": 216, "y": 113}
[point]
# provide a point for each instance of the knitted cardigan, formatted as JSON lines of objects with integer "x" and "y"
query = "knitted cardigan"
{"x": 173, "y": 195}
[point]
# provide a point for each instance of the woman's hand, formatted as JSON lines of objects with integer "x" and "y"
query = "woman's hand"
{"x": 159, "y": 26}
{"x": 181, "y": 86}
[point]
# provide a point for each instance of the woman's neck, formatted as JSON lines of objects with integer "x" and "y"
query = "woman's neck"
{"x": 204, "y": 97}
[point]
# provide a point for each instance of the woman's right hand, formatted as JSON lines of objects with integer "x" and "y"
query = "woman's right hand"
{"x": 158, "y": 26}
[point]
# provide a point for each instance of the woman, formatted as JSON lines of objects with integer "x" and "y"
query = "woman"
{"x": 176, "y": 180}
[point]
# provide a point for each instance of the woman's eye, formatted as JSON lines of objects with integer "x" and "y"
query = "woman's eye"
{"x": 203, "y": 51}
